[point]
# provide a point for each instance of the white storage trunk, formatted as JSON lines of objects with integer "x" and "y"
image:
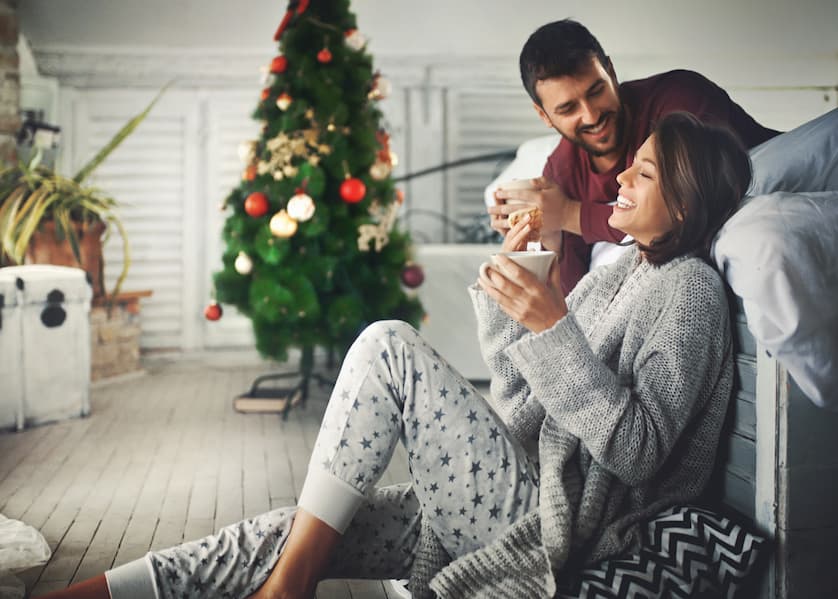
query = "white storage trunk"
{"x": 11, "y": 367}
{"x": 54, "y": 341}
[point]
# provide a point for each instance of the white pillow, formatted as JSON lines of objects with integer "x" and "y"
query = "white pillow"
{"x": 779, "y": 253}
{"x": 803, "y": 159}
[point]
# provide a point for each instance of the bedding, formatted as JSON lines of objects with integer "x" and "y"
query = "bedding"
{"x": 779, "y": 253}
{"x": 803, "y": 159}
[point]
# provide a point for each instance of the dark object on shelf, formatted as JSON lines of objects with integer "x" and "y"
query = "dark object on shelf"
{"x": 35, "y": 134}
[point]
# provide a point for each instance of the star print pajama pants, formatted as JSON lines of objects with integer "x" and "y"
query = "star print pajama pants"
{"x": 469, "y": 479}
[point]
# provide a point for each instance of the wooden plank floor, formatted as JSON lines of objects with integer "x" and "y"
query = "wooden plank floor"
{"x": 161, "y": 459}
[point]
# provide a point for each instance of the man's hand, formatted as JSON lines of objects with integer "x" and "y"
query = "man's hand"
{"x": 560, "y": 213}
{"x": 520, "y": 294}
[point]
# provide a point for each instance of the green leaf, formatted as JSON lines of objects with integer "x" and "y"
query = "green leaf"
{"x": 117, "y": 139}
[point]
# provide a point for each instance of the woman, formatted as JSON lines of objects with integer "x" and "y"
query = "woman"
{"x": 607, "y": 408}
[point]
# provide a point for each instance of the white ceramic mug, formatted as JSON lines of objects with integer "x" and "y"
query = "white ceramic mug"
{"x": 538, "y": 263}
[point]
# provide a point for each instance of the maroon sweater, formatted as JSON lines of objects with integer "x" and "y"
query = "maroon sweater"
{"x": 647, "y": 101}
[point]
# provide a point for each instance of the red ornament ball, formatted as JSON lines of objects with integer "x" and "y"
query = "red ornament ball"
{"x": 250, "y": 173}
{"x": 352, "y": 190}
{"x": 266, "y": 93}
{"x": 412, "y": 275}
{"x": 279, "y": 64}
{"x": 256, "y": 204}
{"x": 324, "y": 56}
{"x": 213, "y": 311}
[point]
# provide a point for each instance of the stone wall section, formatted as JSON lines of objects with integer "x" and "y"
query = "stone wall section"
{"x": 9, "y": 81}
{"x": 115, "y": 337}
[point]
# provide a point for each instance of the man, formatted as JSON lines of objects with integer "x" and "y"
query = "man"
{"x": 574, "y": 90}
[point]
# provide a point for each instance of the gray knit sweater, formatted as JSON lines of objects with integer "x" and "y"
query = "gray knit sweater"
{"x": 624, "y": 399}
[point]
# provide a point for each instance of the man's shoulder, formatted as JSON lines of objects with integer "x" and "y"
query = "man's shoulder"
{"x": 678, "y": 79}
{"x": 563, "y": 160}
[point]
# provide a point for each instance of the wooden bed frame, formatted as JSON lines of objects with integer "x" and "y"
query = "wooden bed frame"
{"x": 778, "y": 471}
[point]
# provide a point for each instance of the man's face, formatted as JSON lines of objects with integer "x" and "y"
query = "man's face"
{"x": 584, "y": 108}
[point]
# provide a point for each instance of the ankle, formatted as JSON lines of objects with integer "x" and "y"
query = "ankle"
{"x": 285, "y": 584}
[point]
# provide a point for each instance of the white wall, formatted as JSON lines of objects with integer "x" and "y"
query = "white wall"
{"x": 464, "y": 27}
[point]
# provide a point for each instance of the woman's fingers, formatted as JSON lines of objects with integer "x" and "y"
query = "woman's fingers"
{"x": 516, "y": 238}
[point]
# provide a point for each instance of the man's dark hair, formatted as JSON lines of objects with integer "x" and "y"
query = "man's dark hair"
{"x": 557, "y": 49}
{"x": 703, "y": 172}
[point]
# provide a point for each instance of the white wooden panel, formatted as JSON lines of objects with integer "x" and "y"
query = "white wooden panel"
{"x": 228, "y": 124}
{"x": 426, "y": 147}
{"x": 151, "y": 175}
{"x": 785, "y": 109}
{"x": 484, "y": 121}
{"x": 451, "y": 327}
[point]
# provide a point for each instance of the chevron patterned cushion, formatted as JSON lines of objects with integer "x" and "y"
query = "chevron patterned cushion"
{"x": 687, "y": 552}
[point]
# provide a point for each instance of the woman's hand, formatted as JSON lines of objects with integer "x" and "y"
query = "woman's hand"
{"x": 516, "y": 238}
{"x": 522, "y": 296}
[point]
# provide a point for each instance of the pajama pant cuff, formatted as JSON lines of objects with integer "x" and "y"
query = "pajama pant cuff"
{"x": 329, "y": 499}
{"x": 134, "y": 580}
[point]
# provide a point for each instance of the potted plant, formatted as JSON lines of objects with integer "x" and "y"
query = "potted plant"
{"x": 48, "y": 218}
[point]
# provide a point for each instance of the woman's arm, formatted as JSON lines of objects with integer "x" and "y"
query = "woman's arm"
{"x": 630, "y": 423}
{"x": 511, "y": 395}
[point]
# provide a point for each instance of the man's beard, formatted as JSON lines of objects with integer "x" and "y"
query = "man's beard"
{"x": 577, "y": 140}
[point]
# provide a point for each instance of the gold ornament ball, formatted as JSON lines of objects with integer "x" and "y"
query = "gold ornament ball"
{"x": 380, "y": 170}
{"x": 385, "y": 88}
{"x": 283, "y": 101}
{"x": 301, "y": 207}
{"x": 355, "y": 39}
{"x": 282, "y": 225}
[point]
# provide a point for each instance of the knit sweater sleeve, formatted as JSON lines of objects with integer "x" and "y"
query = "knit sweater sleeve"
{"x": 511, "y": 396}
{"x": 630, "y": 422}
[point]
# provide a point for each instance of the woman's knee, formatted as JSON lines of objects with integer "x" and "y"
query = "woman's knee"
{"x": 387, "y": 329}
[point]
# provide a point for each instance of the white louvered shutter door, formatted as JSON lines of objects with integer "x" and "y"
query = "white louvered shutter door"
{"x": 151, "y": 175}
{"x": 482, "y": 122}
{"x": 229, "y": 124}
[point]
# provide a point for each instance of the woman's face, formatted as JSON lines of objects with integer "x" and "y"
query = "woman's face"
{"x": 640, "y": 210}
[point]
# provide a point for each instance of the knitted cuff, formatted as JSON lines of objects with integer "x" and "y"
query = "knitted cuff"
{"x": 328, "y": 498}
{"x": 134, "y": 580}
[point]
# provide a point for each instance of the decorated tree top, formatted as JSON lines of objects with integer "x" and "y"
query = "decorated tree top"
{"x": 313, "y": 248}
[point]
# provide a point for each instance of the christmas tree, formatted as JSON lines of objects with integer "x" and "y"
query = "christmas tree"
{"x": 313, "y": 250}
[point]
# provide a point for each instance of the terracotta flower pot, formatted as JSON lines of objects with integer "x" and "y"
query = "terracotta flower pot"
{"x": 44, "y": 248}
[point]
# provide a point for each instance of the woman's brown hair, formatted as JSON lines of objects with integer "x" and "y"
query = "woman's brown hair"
{"x": 704, "y": 171}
